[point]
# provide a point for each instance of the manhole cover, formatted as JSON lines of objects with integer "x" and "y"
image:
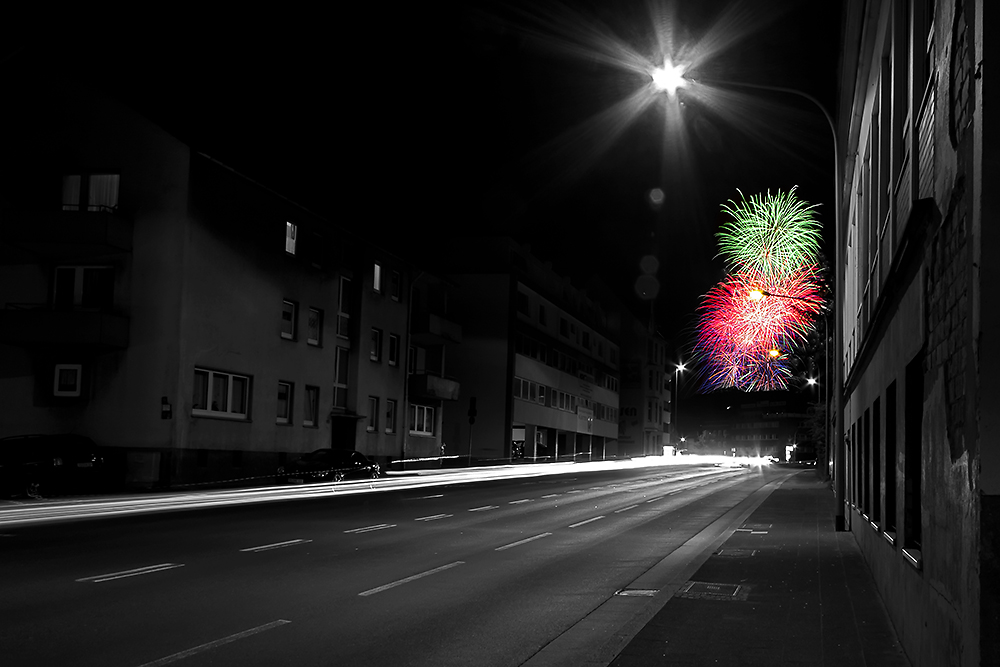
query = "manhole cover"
{"x": 638, "y": 592}
{"x": 704, "y": 590}
{"x": 735, "y": 553}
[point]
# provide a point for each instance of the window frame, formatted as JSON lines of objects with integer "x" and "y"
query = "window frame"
{"x": 390, "y": 415}
{"x": 318, "y": 340}
{"x": 344, "y": 308}
{"x": 375, "y": 350}
{"x": 229, "y": 413}
{"x": 373, "y": 409}
{"x": 426, "y": 412}
{"x": 291, "y": 237}
{"x": 311, "y": 407}
{"x": 77, "y": 389}
{"x": 395, "y": 285}
{"x": 285, "y": 419}
{"x": 377, "y": 278}
{"x": 393, "y": 353}
{"x": 294, "y": 319}
{"x": 341, "y": 369}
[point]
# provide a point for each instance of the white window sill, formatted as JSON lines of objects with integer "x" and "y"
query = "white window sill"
{"x": 914, "y": 558}
{"x": 890, "y": 537}
{"x": 228, "y": 416}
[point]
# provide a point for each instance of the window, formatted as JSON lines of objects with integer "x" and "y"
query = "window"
{"x": 84, "y": 287}
{"x": 377, "y": 278}
{"x": 90, "y": 192}
{"x": 288, "y": 317}
{"x": 877, "y": 460}
{"x": 311, "y": 414}
{"x": 219, "y": 394}
{"x": 372, "y": 413}
{"x": 390, "y": 415}
{"x": 340, "y": 377}
{"x": 284, "y": 402}
{"x": 395, "y": 286}
{"x": 344, "y": 309}
{"x": 67, "y": 380}
{"x": 913, "y": 415}
{"x": 890, "y": 458}
{"x": 314, "y": 326}
{"x": 291, "y": 232}
{"x": 393, "y": 350}
{"x": 411, "y": 360}
{"x": 421, "y": 420}
{"x": 375, "y": 353}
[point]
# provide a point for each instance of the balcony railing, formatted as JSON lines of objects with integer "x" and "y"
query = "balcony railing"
{"x": 428, "y": 385}
{"x": 62, "y": 234}
{"x": 37, "y": 325}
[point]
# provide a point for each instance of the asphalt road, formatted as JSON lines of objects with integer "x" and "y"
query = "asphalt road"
{"x": 470, "y": 574}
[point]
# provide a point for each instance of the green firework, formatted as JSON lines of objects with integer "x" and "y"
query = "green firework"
{"x": 771, "y": 236}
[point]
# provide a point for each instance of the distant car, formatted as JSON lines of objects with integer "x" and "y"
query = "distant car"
{"x": 329, "y": 465}
{"x": 42, "y": 465}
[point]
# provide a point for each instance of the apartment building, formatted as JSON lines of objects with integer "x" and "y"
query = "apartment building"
{"x": 202, "y": 326}
{"x": 539, "y": 360}
{"x": 921, "y": 461}
{"x": 646, "y": 424}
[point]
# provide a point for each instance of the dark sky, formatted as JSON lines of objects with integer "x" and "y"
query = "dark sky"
{"x": 455, "y": 119}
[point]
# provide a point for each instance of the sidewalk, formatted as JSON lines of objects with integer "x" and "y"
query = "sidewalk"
{"x": 784, "y": 589}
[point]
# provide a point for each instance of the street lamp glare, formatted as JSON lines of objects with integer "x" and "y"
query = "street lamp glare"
{"x": 681, "y": 367}
{"x": 668, "y": 78}
{"x": 811, "y": 381}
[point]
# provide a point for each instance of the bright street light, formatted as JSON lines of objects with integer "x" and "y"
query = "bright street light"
{"x": 668, "y": 78}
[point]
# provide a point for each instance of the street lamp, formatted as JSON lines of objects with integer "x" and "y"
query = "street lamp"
{"x": 678, "y": 369}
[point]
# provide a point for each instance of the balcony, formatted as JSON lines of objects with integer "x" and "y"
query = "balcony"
{"x": 59, "y": 235}
{"x": 425, "y": 385}
{"x": 28, "y": 326}
{"x": 431, "y": 329}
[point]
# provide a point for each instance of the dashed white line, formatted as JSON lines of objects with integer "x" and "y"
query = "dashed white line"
{"x": 369, "y": 529}
{"x": 653, "y": 500}
{"x": 434, "y": 517}
{"x": 276, "y": 545}
{"x": 625, "y": 509}
{"x": 149, "y": 569}
{"x": 440, "y": 495}
{"x": 524, "y": 541}
{"x": 673, "y": 492}
{"x": 575, "y": 491}
{"x": 484, "y": 508}
{"x": 580, "y": 523}
{"x": 379, "y": 589}
{"x": 595, "y": 488}
{"x": 218, "y": 642}
{"x": 518, "y": 502}
{"x": 552, "y": 495}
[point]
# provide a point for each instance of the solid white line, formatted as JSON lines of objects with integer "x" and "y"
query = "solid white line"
{"x": 484, "y": 507}
{"x": 625, "y": 509}
{"x": 218, "y": 642}
{"x": 276, "y": 545}
{"x": 552, "y": 495}
{"x": 596, "y": 518}
{"x": 518, "y": 502}
{"x": 377, "y": 526}
{"x": 97, "y": 578}
{"x": 434, "y": 517}
{"x": 373, "y": 591}
{"x": 520, "y": 542}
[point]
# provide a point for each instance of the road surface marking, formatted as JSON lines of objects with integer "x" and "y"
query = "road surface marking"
{"x": 518, "y": 502}
{"x": 440, "y": 495}
{"x": 277, "y": 545}
{"x": 596, "y": 518}
{"x": 520, "y": 542}
{"x": 435, "y": 517}
{"x": 373, "y": 591}
{"x": 575, "y": 491}
{"x": 594, "y": 488}
{"x": 484, "y": 508}
{"x": 218, "y": 642}
{"x": 673, "y": 492}
{"x": 369, "y": 529}
{"x": 625, "y": 509}
{"x": 552, "y": 495}
{"x": 98, "y": 578}
{"x": 653, "y": 500}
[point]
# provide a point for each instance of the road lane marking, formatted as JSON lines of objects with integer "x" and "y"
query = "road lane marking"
{"x": 625, "y": 509}
{"x": 595, "y": 488}
{"x": 276, "y": 545}
{"x": 552, "y": 495}
{"x": 218, "y": 642}
{"x": 149, "y": 569}
{"x": 596, "y": 518}
{"x": 653, "y": 500}
{"x": 440, "y": 495}
{"x": 434, "y": 517}
{"x": 518, "y": 502}
{"x": 673, "y": 492}
{"x": 524, "y": 541}
{"x": 484, "y": 508}
{"x": 379, "y": 589}
{"x": 369, "y": 529}
{"x": 575, "y": 491}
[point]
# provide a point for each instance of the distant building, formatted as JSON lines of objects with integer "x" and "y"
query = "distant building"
{"x": 921, "y": 313}
{"x": 201, "y": 325}
{"x": 646, "y": 391}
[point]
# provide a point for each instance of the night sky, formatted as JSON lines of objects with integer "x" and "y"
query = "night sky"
{"x": 464, "y": 119}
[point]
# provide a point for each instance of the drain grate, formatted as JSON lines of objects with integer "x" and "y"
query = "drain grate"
{"x": 705, "y": 590}
{"x": 638, "y": 592}
{"x": 735, "y": 553}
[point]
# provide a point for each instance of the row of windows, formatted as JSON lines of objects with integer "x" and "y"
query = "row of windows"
{"x": 567, "y": 329}
{"x": 533, "y": 349}
{"x": 395, "y": 282}
{"x": 373, "y": 415}
{"x": 290, "y": 323}
{"x": 220, "y": 394}
{"x": 375, "y": 351}
{"x": 535, "y": 392}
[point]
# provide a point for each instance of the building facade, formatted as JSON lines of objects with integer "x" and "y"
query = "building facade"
{"x": 198, "y": 324}
{"x": 921, "y": 459}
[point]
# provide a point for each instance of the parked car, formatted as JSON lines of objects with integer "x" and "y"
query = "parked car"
{"x": 333, "y": 465}
{"x": 42, "y": 465}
